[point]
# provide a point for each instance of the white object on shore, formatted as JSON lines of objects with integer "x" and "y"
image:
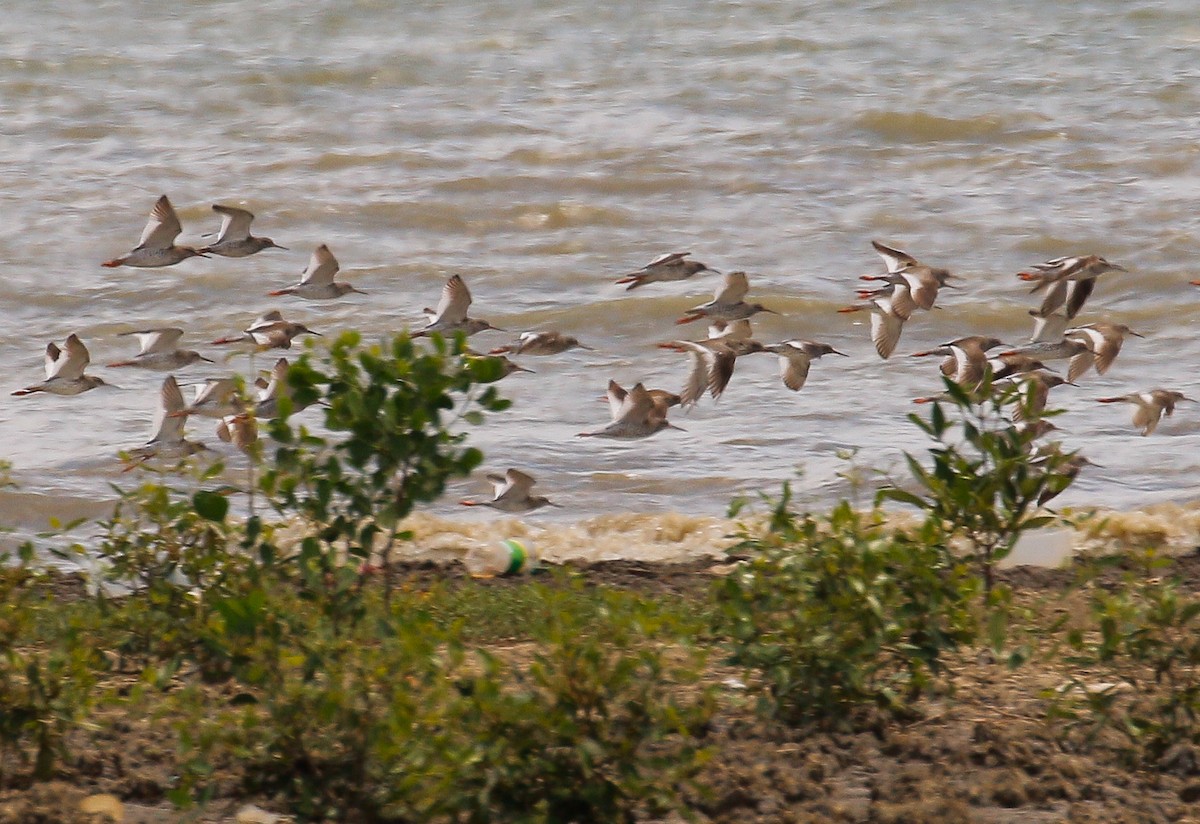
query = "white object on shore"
{"x": 1042, "y": 548}
{"x": 507, "y": 557}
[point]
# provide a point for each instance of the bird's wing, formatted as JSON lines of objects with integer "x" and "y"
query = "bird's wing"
{"x": 1146, "y": 416}
{"x": 276, "y": 383}
{"x": 1059, "y": 264}
{"x": 665, "y": 260}
{"x": 235, "y": 223}
{"x": 1079, "y": 364}
{"x": 266, "y": 320}
{"x": 516, "y": 485}
{"x": 903, "y": 304}
{"x": 885, "y": 330}
{"x": 153, "y": 341}
{"x": 455, "y": 301}
{"x": 738, "y": 330}
{"x": 894, "y": 258}
{"x": 1056, "y": 296}
{"x": 637, "y": 406}
{"x": 1077, "y": 294}
{"x": 71, "y": 361}
{"x": 53, "y": 353}
{"x": 1048, "y": 328}
{"x": 322, "y": 266}
{"x": 922, "y": 285}
{"x": 720, "y": 371}
{"x": 616, "y": 399}
{"x": 168, "y": 429}
{"x": 697, "y": 379}
{"x": 793, "y": 367}
{"x": 215, "y": 391}
{"x": 162, "y": 228}
{"x": 733, "y": 289}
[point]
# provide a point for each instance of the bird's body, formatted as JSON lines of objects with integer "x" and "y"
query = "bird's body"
{"x": 1033, "y": 388}
{"x": 157, "y": 244}
{"x": 507, "y": 366}
{"x": 1104, "y": 340}
{"x": 511, "y": 493}
{"x": 541, "y": 343}
{"x": 796, "y": 357}
{"x": 269, "y": 331}
{"x": 668, "y": 267}
{"x": 159, "y": 351}
{"x": 960, "y": 357}
{"x": 727, "y": 303}
{"x": 316, "y": 281}
{"x": 635, "y": 414}
{"x": 234, "y": 239}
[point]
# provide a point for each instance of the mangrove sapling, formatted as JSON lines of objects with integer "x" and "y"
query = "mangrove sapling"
{"x": 833, "y": 615}
{"x": 984, "y": 484}
{"x": 389, "y": 409}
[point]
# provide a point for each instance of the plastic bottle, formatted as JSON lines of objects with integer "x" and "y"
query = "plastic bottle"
{"x": 507, "y": 557}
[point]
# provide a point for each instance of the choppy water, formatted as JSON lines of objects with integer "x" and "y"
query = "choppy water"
{"x": 542, "y": 149}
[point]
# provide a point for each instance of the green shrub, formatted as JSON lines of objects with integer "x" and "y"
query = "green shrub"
{"x": 389, "y": 411}
{"x": 600, "y": 724}
{"x": 1143, "y": 664}
{"x": 983, "y": 486}
{"x": 399, "y": 721}
{"x": 834, "y": 614}
{"x": 49, "y": 667}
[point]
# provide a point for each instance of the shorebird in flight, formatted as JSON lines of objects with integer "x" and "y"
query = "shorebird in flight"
{"x": 451, "y": 313}
{"x": 1149, "y": 407}
{"x": 159, "y": 350}
{"x": 316, "y": 281}
{"x": 511, "y": 493}
{"x": 157, "y": 244}
{"x": 671, "y": 266}
{"x": 65, "y": 370}
{"x": 234, "y": 238}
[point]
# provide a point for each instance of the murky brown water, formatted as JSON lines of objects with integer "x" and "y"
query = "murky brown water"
{"x": 543, "y": 149}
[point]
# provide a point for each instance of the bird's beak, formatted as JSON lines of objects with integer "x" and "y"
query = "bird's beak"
{"x": 836, "y": 352}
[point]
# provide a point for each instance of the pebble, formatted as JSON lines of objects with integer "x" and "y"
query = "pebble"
{"x": 104, "y": 804}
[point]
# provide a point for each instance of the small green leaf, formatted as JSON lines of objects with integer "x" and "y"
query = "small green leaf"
{"x": 210, "y": 505}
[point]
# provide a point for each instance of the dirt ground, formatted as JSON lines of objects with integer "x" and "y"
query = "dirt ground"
{"x": 984, "y": 755}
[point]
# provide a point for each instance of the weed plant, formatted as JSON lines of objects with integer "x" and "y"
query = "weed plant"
{"x": 1143, "y": 659}
{"x": 835, "y": 614}
{"x": 984, "y": 484}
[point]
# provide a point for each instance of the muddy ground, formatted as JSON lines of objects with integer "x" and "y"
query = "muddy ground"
{"x": 985, "y": 754}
